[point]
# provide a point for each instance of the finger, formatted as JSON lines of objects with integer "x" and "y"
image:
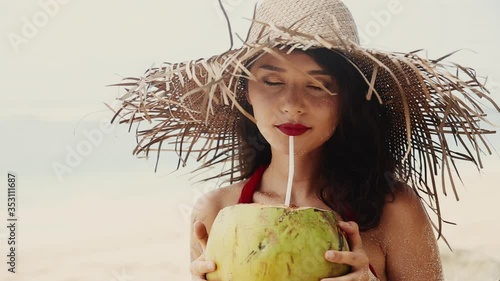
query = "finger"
{"x": 359, "y": 275}
{"x": 200, "y": 232}
{"x": 201, "y": 267}
{"x": 355, "y": 259}
{"x": 352, "y": 232}
{"x": 197, "y": 278}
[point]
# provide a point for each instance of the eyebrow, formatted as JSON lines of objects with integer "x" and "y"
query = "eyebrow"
{"x": 279, "y": 69}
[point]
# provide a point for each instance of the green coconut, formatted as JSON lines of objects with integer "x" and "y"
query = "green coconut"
{"x": 256, "y": 242}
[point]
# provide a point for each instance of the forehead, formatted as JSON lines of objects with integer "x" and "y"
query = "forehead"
{"x": 287, "y": 62}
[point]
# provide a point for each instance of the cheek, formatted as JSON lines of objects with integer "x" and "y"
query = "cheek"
{"x": 260, "y": 111}
{"x": 332, "y": 114}
{"x": 335, "y": 116}
{"x": 262, "y": 104}
{"x": 331, "y": 109}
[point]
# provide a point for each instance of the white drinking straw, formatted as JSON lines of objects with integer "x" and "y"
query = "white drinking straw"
{"x": 291, "y": 169}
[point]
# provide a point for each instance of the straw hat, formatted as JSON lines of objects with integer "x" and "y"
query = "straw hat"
{"x": 193, "y": 107}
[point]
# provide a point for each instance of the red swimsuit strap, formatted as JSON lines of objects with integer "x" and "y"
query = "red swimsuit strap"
{"x": 251, "y": 185}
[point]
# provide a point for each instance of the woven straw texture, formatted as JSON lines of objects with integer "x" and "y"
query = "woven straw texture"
{"x": 330, "y": 19}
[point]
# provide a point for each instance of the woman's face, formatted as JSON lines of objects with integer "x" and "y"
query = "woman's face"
{"x": 293, "y": 97}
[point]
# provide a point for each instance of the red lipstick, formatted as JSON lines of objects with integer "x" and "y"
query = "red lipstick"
{"x": 292, "y": 129}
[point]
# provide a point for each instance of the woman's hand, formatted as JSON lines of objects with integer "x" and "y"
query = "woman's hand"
{"x": 200, "y": 267}
{"x": 356, "y": 258}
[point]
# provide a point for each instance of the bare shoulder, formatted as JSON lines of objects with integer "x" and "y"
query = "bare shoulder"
{"x": 403, "y": 199}
{"x": 408, "y": 238}
{"x": 403, "y": 211}
{"x": 208, "y": 206}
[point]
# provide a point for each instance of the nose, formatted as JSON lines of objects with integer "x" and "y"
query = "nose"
{"x": 292, "y": 101}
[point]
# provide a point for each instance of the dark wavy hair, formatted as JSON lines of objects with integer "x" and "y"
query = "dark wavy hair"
{"x": 356, "y": 161}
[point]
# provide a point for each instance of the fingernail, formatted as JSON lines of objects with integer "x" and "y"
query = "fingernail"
{"x": 330, "y": 254}
{"x": 210, "y": 266}
{"x": 343, "y": 223}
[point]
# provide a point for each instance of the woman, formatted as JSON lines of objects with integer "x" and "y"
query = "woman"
{"x": 359, "y": 119}
{"x": 328, "y": 172}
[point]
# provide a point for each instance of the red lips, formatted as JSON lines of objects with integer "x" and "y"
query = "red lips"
{"x": 292, "y": 129}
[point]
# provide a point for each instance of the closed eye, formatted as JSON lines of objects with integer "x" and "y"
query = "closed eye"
{"x": 316, "y": 88}
{"x": 271, "y": 83}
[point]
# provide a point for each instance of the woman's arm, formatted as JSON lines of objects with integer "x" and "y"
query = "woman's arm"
{"x": 204, "y": 212}
{"x": 409, "y": 242}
